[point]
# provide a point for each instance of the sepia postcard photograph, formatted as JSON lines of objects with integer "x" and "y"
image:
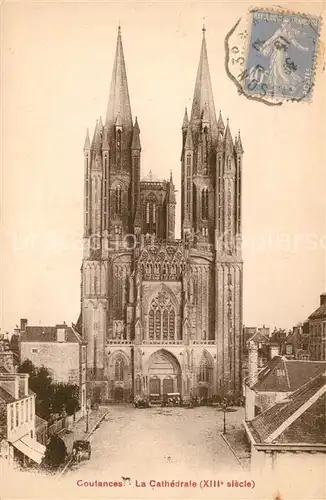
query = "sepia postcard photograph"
{"x": 163, "y": 250}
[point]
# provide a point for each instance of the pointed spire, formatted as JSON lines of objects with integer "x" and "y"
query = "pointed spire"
{"x": 171, "y": 191}
{"x": 238, "y": 145}
{"x": 185, "y": 122}
{"x": 227, "y": 135}
{"x": 87, "y": 144}
{"x": 119, "y": 95}
{"x": 203, "y": 92}
{"x": 189, "y": 142}
{"x": 135, "y": 137}
{"x": 96, "y": 142}
{"x": 220, "y": 123}
{"x": 100, "y": 122}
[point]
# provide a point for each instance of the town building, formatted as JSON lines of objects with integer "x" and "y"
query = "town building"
{"x": 276, "y": 381}
{"x": 317, "y": 331}
{"x": 290, "y": 439}
{"x": 61, "y": 350}
{"x": 295, "y": 346}
{"x": 161, "y": 314}
{"x": 17, "y": 421}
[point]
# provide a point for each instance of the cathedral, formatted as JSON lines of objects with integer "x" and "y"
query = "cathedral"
{"x": 162, "y": 315}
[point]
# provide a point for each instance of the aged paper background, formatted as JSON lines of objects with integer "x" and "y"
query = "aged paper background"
{"x": 56, "y": 63}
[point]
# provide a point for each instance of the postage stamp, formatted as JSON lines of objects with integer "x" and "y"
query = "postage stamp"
{"x": 271, "y": 55}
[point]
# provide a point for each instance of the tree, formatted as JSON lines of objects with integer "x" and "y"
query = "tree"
{"x": 67, "y": 396}
{"x": 55, "y": 453}
{"x": 50, "y": 397}
{"x": 40, "y": 382}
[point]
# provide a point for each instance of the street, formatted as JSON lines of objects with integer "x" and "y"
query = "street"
{"x": 160, "y": 443}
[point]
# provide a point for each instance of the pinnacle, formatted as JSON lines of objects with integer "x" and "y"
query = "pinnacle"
{"x": 239, "y": 143}
{"x": 220, "y": 124}
{"x": 96, "y": 142}
{"x": 185, "y": 120}
{"x": 87, "y": 143}
{"x": 171, "y": 192}
{"x": 227, "y": 134}
{"x": 135, "y": 144}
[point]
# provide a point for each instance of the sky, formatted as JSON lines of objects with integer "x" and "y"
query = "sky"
{"x": 56, "y": 63}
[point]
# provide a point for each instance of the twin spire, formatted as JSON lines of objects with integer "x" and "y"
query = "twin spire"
{"x": 119, "y": 108}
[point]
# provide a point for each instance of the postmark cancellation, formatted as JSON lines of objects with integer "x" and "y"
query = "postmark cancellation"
{"x": 271, "y": 56}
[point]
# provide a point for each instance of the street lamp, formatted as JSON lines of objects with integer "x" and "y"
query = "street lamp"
{"x": 87, "y": 417}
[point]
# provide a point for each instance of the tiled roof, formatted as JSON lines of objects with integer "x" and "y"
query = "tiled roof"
{"x": 258, "y": 337}
{"x": 288, "y": 421}
{"x": 150, "y": 177}
{"x": 319, "y": 313}
{"x": 48, "y": 334}
{"x": 287, "y": 375}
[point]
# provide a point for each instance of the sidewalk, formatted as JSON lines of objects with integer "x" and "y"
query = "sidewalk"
{"x": 79, "y": 429}
{"x": 236, "y": 440}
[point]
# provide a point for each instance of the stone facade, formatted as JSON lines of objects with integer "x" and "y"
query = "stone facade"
{"x": 162, "y": 315}
{"x": 61, "y": 350}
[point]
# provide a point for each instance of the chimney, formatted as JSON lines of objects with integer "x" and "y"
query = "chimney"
{"x": 23, "y": 383}
{"x": 23, "y": 324}
{"x": 274, "y": 350}
{"x": 253, "y": 362}
{"x": 323, "y": 299}
{"x": 61, "y": 334}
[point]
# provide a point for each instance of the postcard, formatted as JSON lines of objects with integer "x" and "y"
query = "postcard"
{"x": 163, "y": 305}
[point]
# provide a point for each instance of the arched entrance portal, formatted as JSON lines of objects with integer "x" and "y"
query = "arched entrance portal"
{"x": 164, "y": 374}
{"x": 118, "y": 394}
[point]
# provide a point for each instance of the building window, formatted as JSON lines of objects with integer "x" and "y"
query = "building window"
{"x": 12, "y": 417}
{"x": 151, "y": 324}
{"x": 204, "y": 204}
{"x": 188, "y": 164}
{"x": 280, "y": 372}
{"x": 165, "y": 324}
{"x": 161, "y": 319}
{"x": 118, "y": 150}
{"x": 150, "y": 214}
{"x": 31, "y": 409}
{"x": 119, "y": 368}
{"x": 21, "y": 412}
{"x": 229, "y": 163}
{"x": 203, "y": 371}
{"x": 118, "y": 200}
{"x": 34, "y": 350}
{"x": 154, "y": 212}
{"x": 26, "y": 410}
